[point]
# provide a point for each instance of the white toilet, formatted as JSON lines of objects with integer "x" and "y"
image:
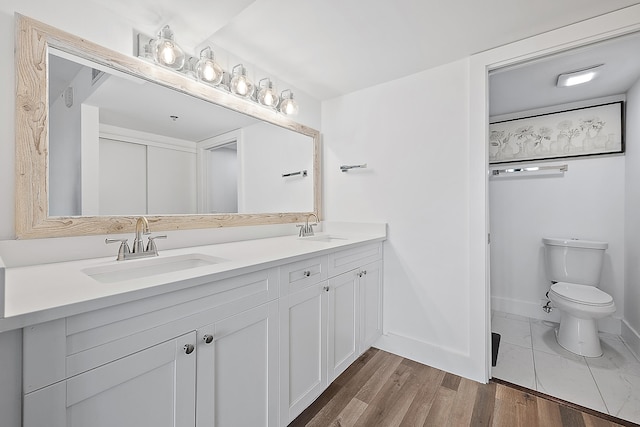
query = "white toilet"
{"x": 574, "y": 267}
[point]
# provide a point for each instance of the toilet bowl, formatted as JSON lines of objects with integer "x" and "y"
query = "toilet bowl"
{"x": 580, "y": 307}
{"x": 574, "y": 267}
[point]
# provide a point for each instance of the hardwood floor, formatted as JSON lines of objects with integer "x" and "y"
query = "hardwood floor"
{"x": 382, "y": 389}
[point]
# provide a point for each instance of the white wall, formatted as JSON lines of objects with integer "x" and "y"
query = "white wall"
{"x": 631, "y": 325}
{"x": 585, "y": 202}
{"x": 413, "y": 135}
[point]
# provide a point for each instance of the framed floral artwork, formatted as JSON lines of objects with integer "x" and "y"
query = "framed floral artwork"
{"x": 589, "y": 131}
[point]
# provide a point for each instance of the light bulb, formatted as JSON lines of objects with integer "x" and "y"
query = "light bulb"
{"x": 240, "y": 83}
{"x": 288, "y": 105}
{"x": 207, "y": 69}
{"x": 241, "y": 86}
{"x": 166, "y": 52}
{"x": 267, "y": 95}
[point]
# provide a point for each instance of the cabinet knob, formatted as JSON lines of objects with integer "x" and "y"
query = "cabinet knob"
{"x": 364, "y": 272}
{"x": 188, "y": 348}
{"x": 307, "y": 273}
{"x": 208, "y": 339}
{"x": 326, "y": 288}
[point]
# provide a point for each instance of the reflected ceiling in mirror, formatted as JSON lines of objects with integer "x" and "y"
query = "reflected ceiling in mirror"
{"x": 66, "y": 186}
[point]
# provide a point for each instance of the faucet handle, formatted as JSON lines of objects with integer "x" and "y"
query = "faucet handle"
{"x": 124, "y": 247}
{"x": 151, "y": 245}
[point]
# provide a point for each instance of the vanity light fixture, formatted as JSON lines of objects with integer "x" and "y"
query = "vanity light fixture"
{"x": 268, "y": 95}
{"x": 163, "y": 50}
{"x": 166, "y": 51}
{"x": 207, "y": 69}
{"x": 288, "y": 105}
{"x": 240, "y": 84}
{"x": 578, "y": 76}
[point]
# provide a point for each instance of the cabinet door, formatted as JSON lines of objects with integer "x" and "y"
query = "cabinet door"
{"x": 303, "y": 349}
{"x": 342, "y": 322}
{"x": 154, "y": 387}
{"x": 238, "y": 370}
{"x": 370, "y": 304}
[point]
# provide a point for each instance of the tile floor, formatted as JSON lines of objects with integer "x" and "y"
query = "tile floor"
{"x": 530, "y": 356}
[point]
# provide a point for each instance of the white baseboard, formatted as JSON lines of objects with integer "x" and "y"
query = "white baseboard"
{"x": 611, "y": 325}
{"x": 631, "y": 337}
{"x": 432, "y": 355}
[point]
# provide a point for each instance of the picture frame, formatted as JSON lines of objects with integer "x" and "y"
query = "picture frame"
{"x": 579, "y": 132}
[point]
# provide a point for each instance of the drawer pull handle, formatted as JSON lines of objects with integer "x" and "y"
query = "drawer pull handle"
{"x": 306, "y": 273}
{"x": 188, "y": 348}
{"x": 208, "y": 339}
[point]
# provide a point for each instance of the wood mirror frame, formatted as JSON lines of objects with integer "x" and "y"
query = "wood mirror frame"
{"x": 32, "y": 139}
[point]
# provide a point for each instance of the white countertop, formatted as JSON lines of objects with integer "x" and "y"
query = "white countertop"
{"x": 39, "y": 293}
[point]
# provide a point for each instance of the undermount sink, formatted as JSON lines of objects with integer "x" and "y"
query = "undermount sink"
{"x": 323, "y": 238}
{"x": 139, "y": 268}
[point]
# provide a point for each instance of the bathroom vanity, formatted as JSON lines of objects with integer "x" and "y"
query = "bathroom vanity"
{"x": 241, "y": 333}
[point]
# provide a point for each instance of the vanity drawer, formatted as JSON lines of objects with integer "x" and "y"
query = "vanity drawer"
{"x": 299, "y": 275}
{"x": 348, "y": 259}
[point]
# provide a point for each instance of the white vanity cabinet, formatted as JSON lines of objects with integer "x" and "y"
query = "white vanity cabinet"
{"x": 254, "y": 348}
{"x": 328, "y": 323}
{"x": 203, "y": 356}
{"x": 303, "y": 342}
{"x": 153, "y": 387}
{"x": 237, "y": 370}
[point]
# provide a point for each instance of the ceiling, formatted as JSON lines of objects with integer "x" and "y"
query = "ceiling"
{"x": 330, "y": 48}
{"x": 533, "y": 84}
{"x": 136, "y": 104}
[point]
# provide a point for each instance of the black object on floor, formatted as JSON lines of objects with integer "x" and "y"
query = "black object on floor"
{"x": 495, "y": 343}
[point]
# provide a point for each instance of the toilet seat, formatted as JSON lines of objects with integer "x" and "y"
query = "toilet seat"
{"x": 581, "y": 294}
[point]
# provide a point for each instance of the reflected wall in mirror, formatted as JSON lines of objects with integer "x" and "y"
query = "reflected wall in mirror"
{"x": 102, "y": 138}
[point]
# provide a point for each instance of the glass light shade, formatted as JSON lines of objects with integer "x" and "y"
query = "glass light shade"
{"x": 240, "y": 84}
{"x": 288, "y": 105}
{"x": 166, "y": 52}
{"x": 207, "y": 69}
{"x": 268, "y": 95}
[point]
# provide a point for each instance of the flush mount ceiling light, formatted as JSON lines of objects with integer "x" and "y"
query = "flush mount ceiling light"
{"x": 578, "y": 77}
{"x": 288, "y": 105}
{"x": 268, "y": 95}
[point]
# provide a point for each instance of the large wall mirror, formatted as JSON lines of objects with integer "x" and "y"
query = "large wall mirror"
{"x": 102, "y": 138}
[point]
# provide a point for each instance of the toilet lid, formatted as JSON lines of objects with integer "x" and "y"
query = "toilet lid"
{"x": 581, "y": 293}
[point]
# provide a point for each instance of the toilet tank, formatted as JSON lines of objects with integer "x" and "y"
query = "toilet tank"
{"x": 574, "y": 260}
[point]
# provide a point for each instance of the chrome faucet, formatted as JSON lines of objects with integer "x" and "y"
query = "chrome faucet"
{"x": 306, "y": 229}
{"x": 139, "y": 250}
{"x": 142, "y": 226}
